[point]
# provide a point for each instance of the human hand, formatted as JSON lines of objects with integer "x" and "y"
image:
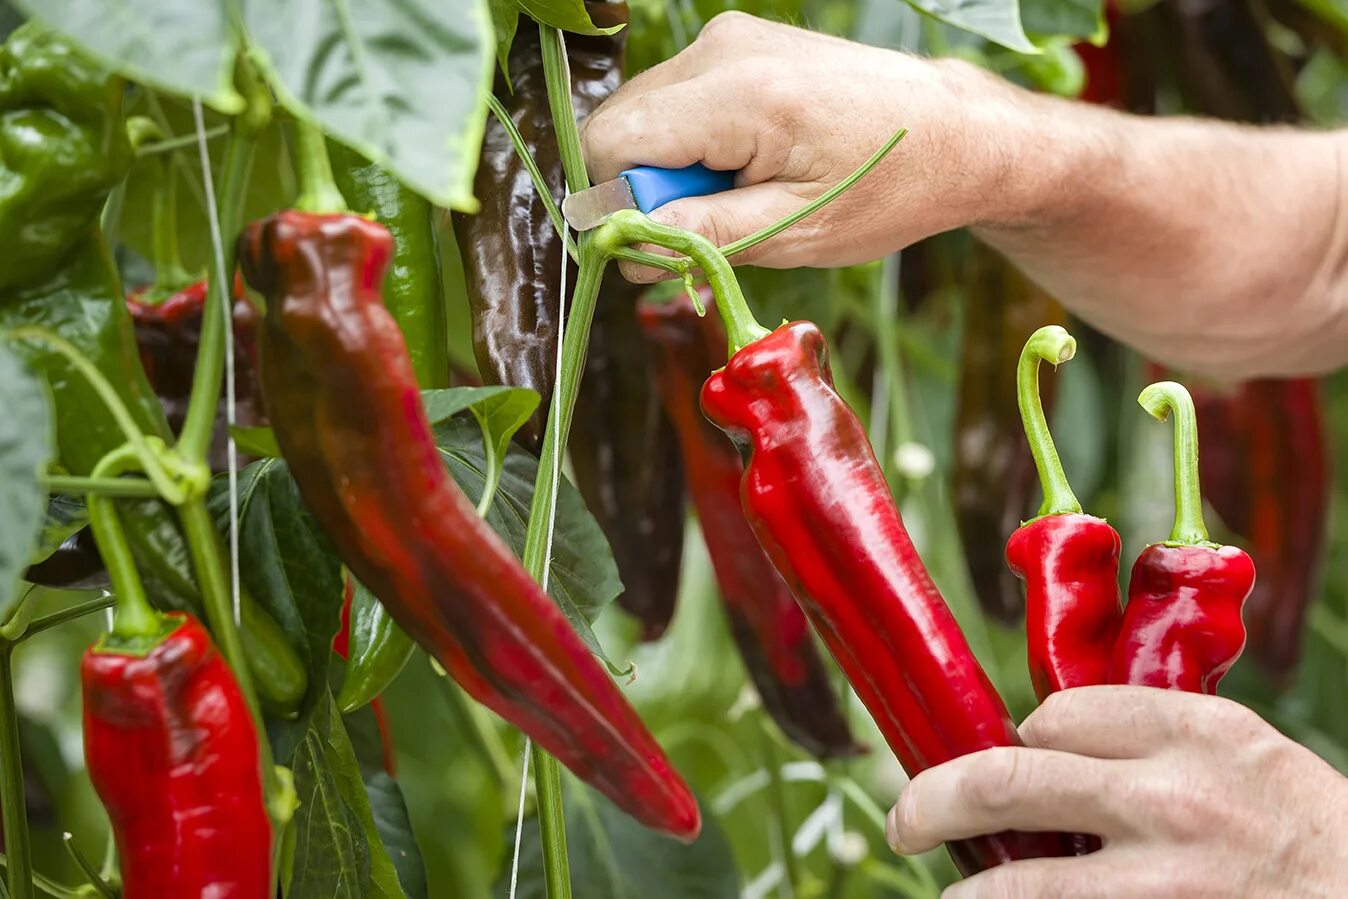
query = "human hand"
{"x": 795, "y": 112}
{"x": 1192, "y": 795}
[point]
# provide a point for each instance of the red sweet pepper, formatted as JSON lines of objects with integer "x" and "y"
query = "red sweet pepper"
{"x": 173, "y": 754}
{"x": 769, "y": 628}
{"x": 343, "y": 400}
{"x": 1068, "y": 560}
{"x": 819, "y": 504}
{"x": 1182, "y": 628}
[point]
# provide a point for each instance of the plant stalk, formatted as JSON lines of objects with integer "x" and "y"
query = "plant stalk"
{"x": 1054, "y": 345}
{"x": 13, "y": 811}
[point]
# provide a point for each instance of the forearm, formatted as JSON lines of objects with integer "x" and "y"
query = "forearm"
{"x": 1221, "y": 249}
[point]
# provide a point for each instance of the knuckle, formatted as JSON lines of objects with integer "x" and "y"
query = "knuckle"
{"x": 725, "y": 28}
{"x": 1048, "y": 725}
{"x": 995, "y": 781}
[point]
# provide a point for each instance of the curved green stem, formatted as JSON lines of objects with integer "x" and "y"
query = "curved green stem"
{"x": 169, "y": 273}
{"x": 79, "y": 610}
{"x": 828, "y": 196}
{"x": 629, "y": 227}
{"x": 182, "y": 141}
{"x": 535, "y": 174}
{"x": 557, "y": 74}
{"x": 18, "y": 844}
{"x": 134, "y": 617}
{"x": 1161, "y": 400}
{"x": 318, "y": 187}
{"x": 59, "y": 483}
{"x": 87, "y": 867}
{"x": 1054, "y": 345}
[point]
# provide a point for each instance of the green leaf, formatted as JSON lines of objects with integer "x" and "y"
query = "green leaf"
{"x": 336, "y": 848}
{"x": 25, "y": 449}
{"x": 505, "y": 20}
{"x": 387, "y": 803}
{"x": 403, "y": 82}
{"x": 617, "y": 858}
{"x": 288, "y": 565}
{"x": 66, "y": 516}
{"x": 377, "y": 649}
{"x": 996, "y": 20}
{"x": 1064, "y": 18}
{"x": 568, "y": 15}
{"x": 583, "y": 578}
{"x": 183, "y": 48}
{"x": 443, "y": 403}
{"x": 256, "y": 441}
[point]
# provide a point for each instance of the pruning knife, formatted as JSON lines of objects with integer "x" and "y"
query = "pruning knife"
{"x": 644, "y": 187}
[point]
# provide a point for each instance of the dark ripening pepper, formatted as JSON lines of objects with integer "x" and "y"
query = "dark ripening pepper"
{"x": 1068, "y": 560}
{"x": 625, "y": 455}
{"x": 343, "y": 400}
{"x": 769, "y": 628}
{"x": 993, "y": 480}
{"x": 818, "y": 502}
{"x": 172, "y": 752}
{"x": 512, "y": 255}
{"x": 1182, "y": 628}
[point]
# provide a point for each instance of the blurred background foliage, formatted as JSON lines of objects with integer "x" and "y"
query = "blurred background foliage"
{"x": 897, "y": 330}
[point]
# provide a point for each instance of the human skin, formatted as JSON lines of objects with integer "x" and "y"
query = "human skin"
{"x": 1192, "y": 795}
{"x": 1220, "y": 248}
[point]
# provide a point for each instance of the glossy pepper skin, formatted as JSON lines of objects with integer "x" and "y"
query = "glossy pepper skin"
{"x": 771, "y": 632}
{"x": 625, "y": 455}
{"x": 173, "y": 754}
{"x": 343, "y": 400}
{"x": 1068, "y": 560}
{"x": 1182, "y": 628}
{"x": 993, "y": 479}
{"x": 512, "y": 255}
{"x": 819, "y": 505}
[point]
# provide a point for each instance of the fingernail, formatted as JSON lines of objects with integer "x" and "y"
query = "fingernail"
{"x": 892, "y": 831}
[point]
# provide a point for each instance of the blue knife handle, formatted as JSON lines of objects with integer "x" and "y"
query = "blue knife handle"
{"x": 653, "y": 187}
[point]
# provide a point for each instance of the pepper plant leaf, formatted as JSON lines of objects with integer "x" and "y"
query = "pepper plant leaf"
{"x": 66, "y": 516}
{"x": 183, "y": 48}
{"x": 387, "y": 804}
{"x": 403, "y": 82}
{"x": 1082, "y": 19}
{"x": 996, "y": 20}
{"x": 25, "y": 450}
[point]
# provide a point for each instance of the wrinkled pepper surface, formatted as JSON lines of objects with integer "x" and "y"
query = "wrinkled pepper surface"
{"x": 172, "y": 753}
{"x": 993, "y": 479}
{"x": 819, "y": 504}
{"x": 1069, "y": 560}
{"x": 1182, "y": 628}
{"x": 771, "y": 632}
{"x": 512, "y": 255}
{"x": 342, "y": 397}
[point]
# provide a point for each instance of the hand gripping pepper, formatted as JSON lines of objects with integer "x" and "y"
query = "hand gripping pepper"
{"x": 769, "y": 628}
{"x": 1182, "y": 628}
{"x": 625, "y": 455}
{"x": 818, "y": 503}
{"x": 512, "y": 254}
{"x": 343, "y": 400}
{"x": 173, "y": 755}
{"x": 993, "y": 479}
{"x": 1068, "y": 560}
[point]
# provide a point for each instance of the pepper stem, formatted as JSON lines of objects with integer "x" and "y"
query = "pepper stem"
{"x": 1161, "y": 400}
{"x": 1054, "y": 345}
{"x": 169, "y": 273}
{"x": 628, "y": 226}
{"x": 134, "y": 617}
{"x": 318, "y": 188}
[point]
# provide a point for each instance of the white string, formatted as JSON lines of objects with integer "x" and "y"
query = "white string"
{"x": 224, "y": 285}
{"x": 519, "y": 820}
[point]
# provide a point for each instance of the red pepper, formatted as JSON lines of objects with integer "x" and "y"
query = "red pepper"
{"x": 173, "y": 754}
{"x": 1068, "y": 560}
{"x": 819, "y": 504}
{"x": 1182, "y": 628}
{"x": 769, "y": 628}
{"x": 344, "y": 402}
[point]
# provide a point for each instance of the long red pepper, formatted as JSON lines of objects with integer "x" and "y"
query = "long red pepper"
{"x": 1182, "y": 628}
{"x": 1068, "y": 560}
{"x": 172, "y": 752}
{"x": 819, "y": 504}
{"x": 769, "y": 628}
{"x": 342, "y": 397}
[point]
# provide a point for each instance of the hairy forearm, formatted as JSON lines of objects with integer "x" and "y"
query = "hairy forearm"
{"x": 1217, "y": 248}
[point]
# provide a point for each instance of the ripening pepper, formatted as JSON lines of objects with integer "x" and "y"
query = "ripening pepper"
{"x": 771, "y": 632}
{"x": 1068, "y": 560}
{"x": 818, "y": 502}
{"x": 993, "y": 478}
{"x": 173, "y": 755}
{"x": 512, "y": 254}
{"x": 625, "y": 455}
{"x": 343, "y": 400}
{"x": 63, "y": 146}
{"x": 1182, "y": 628}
